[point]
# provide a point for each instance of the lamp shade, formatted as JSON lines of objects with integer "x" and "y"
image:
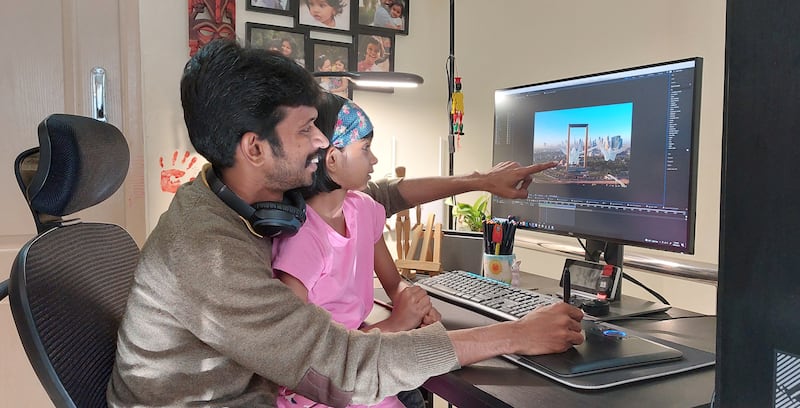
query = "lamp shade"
{"x": 376, "y": 79}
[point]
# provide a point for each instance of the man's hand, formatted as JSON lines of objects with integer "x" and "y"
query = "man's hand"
{"x": 510, "y": 180}
{"x": 549, "y": 329}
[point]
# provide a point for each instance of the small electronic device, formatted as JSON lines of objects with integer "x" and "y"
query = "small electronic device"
{"x": 592, "y": 280}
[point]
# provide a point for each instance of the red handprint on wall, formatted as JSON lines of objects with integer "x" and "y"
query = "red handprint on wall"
{"x": 172, "y": 178}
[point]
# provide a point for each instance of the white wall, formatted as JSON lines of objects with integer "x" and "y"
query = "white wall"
{"x": 505, "y": 44}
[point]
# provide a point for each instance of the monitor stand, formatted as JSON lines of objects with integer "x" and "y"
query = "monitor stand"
{"x": 627, "y": 306}
{"x": 623, "y": 306}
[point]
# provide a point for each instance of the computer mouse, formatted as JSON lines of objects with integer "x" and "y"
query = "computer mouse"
{"x": 595, "y": 307}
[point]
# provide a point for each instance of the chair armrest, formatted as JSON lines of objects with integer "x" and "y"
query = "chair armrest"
{"x": 3, "y": 289}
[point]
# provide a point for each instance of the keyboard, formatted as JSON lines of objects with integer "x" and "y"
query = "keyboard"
{"x": 484, "y": 295}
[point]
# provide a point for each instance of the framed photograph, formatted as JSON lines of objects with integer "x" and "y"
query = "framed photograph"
{"x": 283, "y": 7}
{"x": 325, "y": 15}
{"x": 384, "y": 15}
{"x": 290, "y": 42}
{"x": 374, "y": 52}
{"x": 329, "y": 56}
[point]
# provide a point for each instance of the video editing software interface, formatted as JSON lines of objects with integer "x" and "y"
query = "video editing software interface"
{"x": 626, "y": 146}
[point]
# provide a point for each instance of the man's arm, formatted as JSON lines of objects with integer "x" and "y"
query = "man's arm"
{"x": 506, "y": 179}
{"x": 549, "y": 329}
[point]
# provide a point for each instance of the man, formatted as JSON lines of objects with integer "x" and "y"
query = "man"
{"x": 207, "y": 325}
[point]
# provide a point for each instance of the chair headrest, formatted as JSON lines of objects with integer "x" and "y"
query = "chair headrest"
{"x": 82, "y": 161}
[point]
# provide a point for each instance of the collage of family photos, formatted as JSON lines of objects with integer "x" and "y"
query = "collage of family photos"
{"x": 367, "y": 27}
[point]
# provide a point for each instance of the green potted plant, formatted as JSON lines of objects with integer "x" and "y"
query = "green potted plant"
{"x": 470, "y": 215}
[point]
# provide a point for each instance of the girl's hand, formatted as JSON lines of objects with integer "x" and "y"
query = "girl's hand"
{"x": 410, "y": 307}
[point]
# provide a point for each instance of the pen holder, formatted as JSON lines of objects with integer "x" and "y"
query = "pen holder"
{"x": 504, "y": 268}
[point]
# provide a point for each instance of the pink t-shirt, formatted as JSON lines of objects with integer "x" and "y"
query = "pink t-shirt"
{"x": 336, "y": 270}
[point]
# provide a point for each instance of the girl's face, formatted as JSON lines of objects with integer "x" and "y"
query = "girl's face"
{"x": 353, "y": 164}
{"x": 286, "y": 48}
{"x": 322, "y": 12}
{"x": 396, "y": 11}
{"x": 338, "y": 66}
{"x": 372, "y": 53}
{"x": 326, "y": 66}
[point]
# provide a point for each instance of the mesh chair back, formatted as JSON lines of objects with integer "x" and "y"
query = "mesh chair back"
{"x": 72, "y": 284}
{"x": 69, "y": 284}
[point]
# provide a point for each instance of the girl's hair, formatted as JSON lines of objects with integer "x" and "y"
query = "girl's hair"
{"x": 372, "y": 40}
{"x": 337, "y": 5}
{"x": 400, "y": 3}
{"x": 327, "y": 114}
{"x": 321, "y": 61}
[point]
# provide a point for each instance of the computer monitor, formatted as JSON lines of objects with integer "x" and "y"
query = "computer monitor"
{"x": 626, "y": 146}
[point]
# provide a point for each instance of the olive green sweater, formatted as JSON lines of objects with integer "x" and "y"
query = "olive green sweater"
{"x": 207, "y": 325}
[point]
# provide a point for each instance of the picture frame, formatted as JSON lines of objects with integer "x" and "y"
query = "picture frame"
{"x": 331, "y": 56}
{"x": 281, "y": 7}
{"x": 335, "y": 16}
{"x": 390, "y": 16}
{"x": 374, "y": 51}
{"x": 287, "y": 40}
{"x": 366, "y": 42}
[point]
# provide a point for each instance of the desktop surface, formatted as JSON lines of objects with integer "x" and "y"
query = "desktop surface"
{"x": 499, "y": 383}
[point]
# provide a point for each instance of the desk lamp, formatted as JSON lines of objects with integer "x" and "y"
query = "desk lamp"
{"x": 376, "y": 79}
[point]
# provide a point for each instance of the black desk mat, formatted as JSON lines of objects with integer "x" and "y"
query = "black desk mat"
{"x": 692, "y": 359}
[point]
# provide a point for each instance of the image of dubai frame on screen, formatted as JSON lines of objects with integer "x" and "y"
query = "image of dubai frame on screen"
{"x": 592, "y": 144}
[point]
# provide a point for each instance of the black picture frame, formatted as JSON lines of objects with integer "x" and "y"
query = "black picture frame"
{"x": 336, "y": 53}
{"x": 366, "y": 42}
{"x": 367, "y": 14}
{"x": 342, "y": 20}
{"x": 384, "y": 63}
{"x": 274, "y": 37}
{"x": 272, "y": 6}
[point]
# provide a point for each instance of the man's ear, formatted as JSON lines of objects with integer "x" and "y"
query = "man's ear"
{"x": 252, "y": 149}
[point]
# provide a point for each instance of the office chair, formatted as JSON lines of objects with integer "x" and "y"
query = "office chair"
{"x": 69, "y": 284}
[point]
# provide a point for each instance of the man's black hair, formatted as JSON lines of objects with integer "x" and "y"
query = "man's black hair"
{"x": 228, "y": 90}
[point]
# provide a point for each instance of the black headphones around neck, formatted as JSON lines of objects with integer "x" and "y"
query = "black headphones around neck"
{"x": 266, "y": 218}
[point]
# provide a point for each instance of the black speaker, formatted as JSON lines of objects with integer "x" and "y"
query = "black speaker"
{"x": 267, "y": 218}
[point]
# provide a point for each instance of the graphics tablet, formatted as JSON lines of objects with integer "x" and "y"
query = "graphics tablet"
{"x": 606, "y": 348}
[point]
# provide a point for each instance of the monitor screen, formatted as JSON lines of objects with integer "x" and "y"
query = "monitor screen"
{"x": 626, "y": 146}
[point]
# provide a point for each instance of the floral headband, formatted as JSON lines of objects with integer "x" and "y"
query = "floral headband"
{"x": 351, "y": 124}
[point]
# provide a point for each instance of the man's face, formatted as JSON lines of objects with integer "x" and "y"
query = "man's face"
{"x": 301, "y": 142}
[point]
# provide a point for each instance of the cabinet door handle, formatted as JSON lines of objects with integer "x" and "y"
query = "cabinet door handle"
{"x": 98, "y": 84}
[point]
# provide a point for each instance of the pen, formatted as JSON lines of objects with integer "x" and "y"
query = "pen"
{"x": 567, "y": 285}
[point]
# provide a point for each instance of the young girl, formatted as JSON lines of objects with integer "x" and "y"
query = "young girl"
{"x": 330, "y": 261}
{"x": 339, "y": 85}
{"x": 396, "y": 13}
{"x": 372, "y": 51}
{"x": 323, "y": 64}
{"x": 324, "y": 12}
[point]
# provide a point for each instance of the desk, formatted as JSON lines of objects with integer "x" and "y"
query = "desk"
{"x": 499, "y": 383}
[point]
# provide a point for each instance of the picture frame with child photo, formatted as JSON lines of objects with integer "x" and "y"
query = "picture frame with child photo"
{"x": 384, "y": 15}
{"x": 324, "y": 15}
{"x": 281, "y": 7}
{"x": 374, "y": 52}
{"x": 290, "y": 42}
{"x": 328, "y": 56}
